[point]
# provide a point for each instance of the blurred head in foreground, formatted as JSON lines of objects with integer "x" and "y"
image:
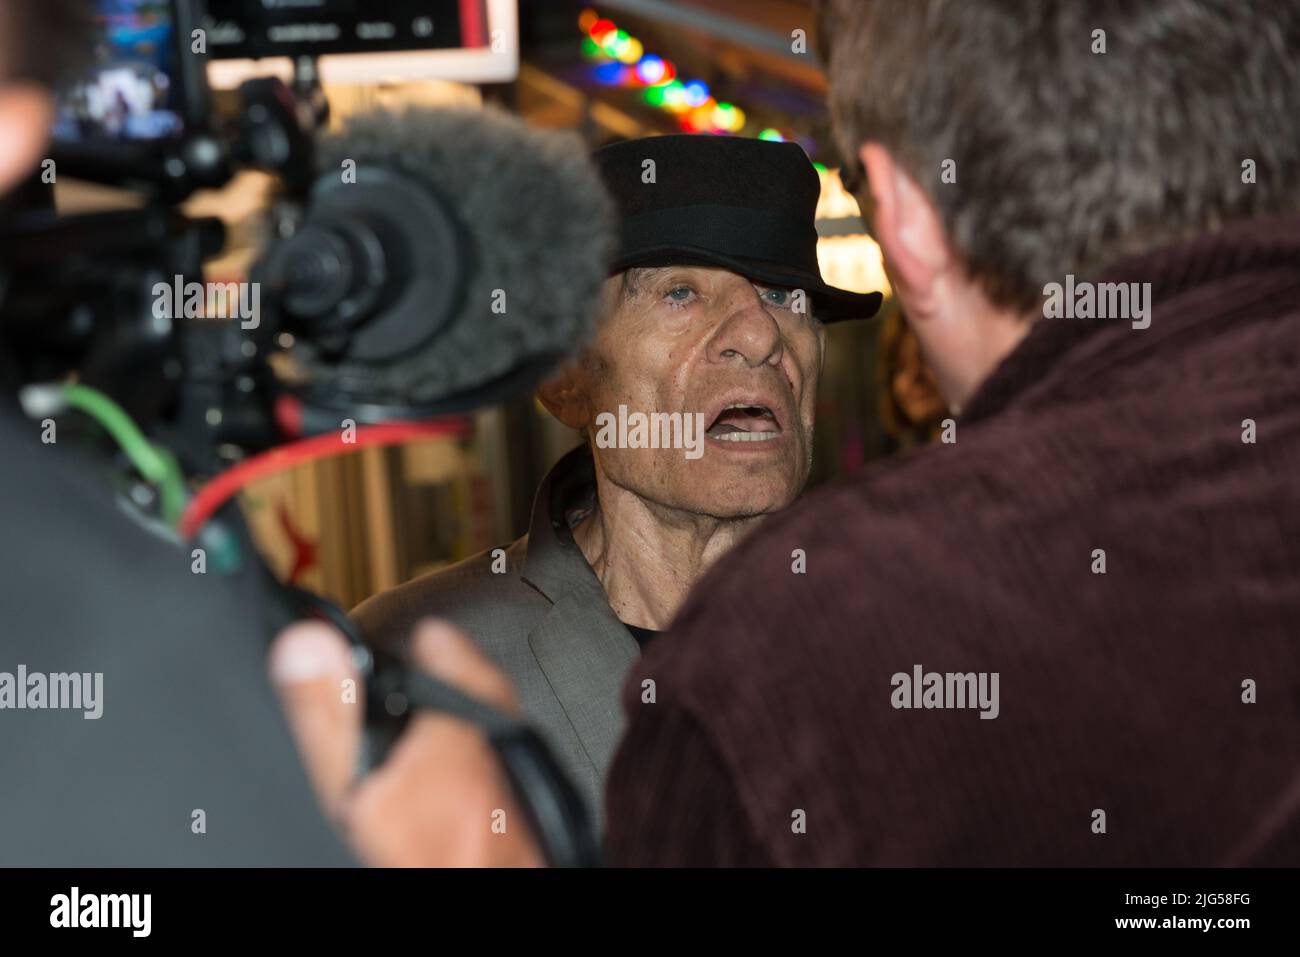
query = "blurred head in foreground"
{"x": 1010, "y": 144}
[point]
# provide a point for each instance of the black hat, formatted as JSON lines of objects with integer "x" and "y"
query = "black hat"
{"x": 743, "y": 204}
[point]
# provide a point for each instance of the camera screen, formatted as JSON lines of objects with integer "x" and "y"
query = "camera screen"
{"x": 255, "y": 28}
{"x": 132, "y": 91}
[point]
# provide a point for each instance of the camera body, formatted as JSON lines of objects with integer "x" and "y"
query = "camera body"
{"x": 95, "y": 295}
{"x": 357, "y": 277}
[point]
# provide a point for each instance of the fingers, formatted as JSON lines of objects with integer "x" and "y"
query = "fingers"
{"x": 441, "y": 798}
{"x": 443, "y": 651}
{"x": 311, "y": 667}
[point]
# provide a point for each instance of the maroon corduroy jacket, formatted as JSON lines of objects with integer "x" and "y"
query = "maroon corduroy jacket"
{"x": 1127, "y": 731}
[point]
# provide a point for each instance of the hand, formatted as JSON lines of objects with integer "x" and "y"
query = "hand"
{"x": 441, "y": 798}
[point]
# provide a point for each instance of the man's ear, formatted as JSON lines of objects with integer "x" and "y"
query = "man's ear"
{"x": 905, "y": 223}
{"x": 565, "y": 396}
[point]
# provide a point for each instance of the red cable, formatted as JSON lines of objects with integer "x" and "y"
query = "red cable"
{"x": 222, "y": 487}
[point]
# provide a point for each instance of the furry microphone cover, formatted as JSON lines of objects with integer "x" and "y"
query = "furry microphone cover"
{"x": 538, "y": 231}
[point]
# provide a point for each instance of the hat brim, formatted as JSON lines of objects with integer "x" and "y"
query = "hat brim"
{"x": 829, "y": 303}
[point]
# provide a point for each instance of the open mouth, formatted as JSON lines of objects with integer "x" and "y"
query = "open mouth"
{"x": 742, "y": 422}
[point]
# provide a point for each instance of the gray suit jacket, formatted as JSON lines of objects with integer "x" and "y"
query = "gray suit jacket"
{"x": 544, "y": 619}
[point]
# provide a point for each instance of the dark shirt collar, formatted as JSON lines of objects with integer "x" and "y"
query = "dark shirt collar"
{"x": 1062, "y": 352}
{"x": 554, "y": 564}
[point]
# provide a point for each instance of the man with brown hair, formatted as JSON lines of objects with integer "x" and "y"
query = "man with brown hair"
{"x": 1068, "y": 637}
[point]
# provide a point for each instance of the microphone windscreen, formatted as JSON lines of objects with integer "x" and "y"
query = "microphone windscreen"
{"x": 538, "y": 231}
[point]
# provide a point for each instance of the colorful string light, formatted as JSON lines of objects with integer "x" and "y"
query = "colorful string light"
{"x": 650, "y": 70}
{"x": 624, "y": 62}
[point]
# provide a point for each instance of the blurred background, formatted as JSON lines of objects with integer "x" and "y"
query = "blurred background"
{"x": 350, "y": 526}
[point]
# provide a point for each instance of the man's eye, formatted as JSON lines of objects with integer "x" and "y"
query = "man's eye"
{"x": 778, "y": 297}
{"x": 679, "y": 293}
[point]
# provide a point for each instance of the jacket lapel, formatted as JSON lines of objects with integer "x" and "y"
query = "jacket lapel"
{"x": 586, "y": 652}
{"x": 581, "y": 646}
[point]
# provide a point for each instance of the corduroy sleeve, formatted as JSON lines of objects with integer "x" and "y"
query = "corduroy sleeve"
{"x": 671, "y": 801}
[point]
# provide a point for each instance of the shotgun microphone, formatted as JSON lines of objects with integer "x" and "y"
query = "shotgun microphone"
{"x": 445, "y": 258}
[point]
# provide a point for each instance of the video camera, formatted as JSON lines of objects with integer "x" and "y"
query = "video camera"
{"x": 354, "y": 310}
{"x": 89, "y": 291}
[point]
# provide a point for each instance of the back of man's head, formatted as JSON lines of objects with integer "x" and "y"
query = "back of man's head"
{"x": 1078, "y": 133}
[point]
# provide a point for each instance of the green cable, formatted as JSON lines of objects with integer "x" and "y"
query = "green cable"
{"x": 155, "y": 463}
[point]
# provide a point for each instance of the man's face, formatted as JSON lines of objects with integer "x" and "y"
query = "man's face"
{"x": 697, "y": 339}
{"x": 26, "y": 112}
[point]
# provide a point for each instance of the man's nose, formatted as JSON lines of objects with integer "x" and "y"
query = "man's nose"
{"x": 747, "y": 331}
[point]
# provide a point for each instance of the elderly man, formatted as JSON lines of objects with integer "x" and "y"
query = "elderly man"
{"x": 1068, "y": 637}
{"x": 697, "y": 399}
